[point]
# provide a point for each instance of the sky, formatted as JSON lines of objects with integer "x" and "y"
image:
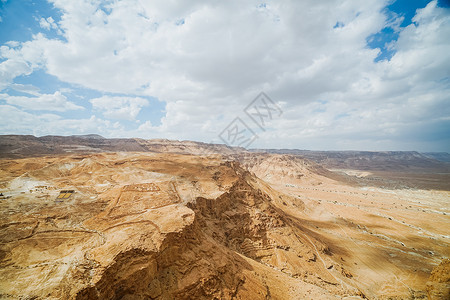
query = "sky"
{"x": 321, "y": 75}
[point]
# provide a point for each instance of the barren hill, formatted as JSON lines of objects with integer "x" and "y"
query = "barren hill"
{"x": 406, "y": 161}
{"x": 392, "y": 169}
{"x": 150, "y": 222}
{"x": 18, "y": 146}
{"x": 155, "y": 226}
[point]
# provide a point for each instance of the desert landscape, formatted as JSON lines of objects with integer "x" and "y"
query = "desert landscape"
{"x": 85, "y": 217}
{"x": 246, "y": 150}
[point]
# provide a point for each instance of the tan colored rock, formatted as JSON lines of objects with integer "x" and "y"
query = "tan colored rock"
{"x": 438, "y": 285}
{"x": 171, "y": 226}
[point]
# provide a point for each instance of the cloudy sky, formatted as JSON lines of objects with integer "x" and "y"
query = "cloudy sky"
{"x": 340, "y": 74}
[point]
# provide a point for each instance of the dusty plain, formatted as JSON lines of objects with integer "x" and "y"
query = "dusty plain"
{"x": 143, "y": 225}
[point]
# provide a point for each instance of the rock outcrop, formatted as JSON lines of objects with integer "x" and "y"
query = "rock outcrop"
{"x": 153, "y": 226}
{"x": 438, "y": 285}
{"x": 144, "y": 225}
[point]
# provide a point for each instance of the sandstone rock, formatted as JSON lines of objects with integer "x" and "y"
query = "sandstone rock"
{"x": 438, "y": 285}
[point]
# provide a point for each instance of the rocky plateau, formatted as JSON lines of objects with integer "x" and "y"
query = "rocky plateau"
{"x": 82, "y": 219}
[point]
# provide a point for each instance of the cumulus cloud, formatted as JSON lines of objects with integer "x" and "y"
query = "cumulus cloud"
{"x": 208, "y": 60}
{"x": 119, "y": 108}
{"x": 15, "y": 120}
{"x": 20, "y": 59}
{"x": 48, "y": 23}
{"x": 49, "y": 102}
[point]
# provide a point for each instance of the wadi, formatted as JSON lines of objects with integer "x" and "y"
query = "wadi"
{"x": 85, "y": 217}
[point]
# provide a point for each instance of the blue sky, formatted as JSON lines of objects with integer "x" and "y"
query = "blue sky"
{"x": 20, "y": 21}
{"x": 405, "y": 9}
{"x": 366, "y": 76}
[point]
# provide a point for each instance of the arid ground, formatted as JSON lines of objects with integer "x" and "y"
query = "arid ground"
{"x": 160, "y": 225}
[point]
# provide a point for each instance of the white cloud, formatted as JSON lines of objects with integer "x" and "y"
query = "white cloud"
{"x": 48, "y": 23}
{"x": 208, "y": 68}
{"x": 119, "y": 108}
{"x": 10, "y": 69}
{"x": 17, "y": 121}
{"x": 44, "y": 102}
{"x": 44, "y": 24}
{"x": 12, "y": 44}
{"x": 20, "y": 59}
{"x": 25, "y": 88}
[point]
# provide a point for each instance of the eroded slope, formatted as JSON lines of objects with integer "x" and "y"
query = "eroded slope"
{"x": 155, "y": 226}
{"x": 168, "y": 226}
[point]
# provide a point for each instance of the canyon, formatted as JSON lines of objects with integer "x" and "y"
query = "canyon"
{"x": 86, "y": 217}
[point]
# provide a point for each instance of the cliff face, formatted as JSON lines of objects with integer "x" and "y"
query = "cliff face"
{"x": 153, "y": 226}
{"x": 438, "y": 285}
{"x": 169, "y": 226}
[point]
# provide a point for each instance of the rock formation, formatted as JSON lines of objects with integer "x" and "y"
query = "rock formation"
{"x": 147, "y": 225}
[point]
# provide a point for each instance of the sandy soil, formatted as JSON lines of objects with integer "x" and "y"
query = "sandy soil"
{"x": 169, "y": 226}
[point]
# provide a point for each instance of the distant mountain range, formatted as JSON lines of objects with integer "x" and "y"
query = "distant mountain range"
{"x": 397, "y": 161}
{"x": 19, "y": 146}
{"x": 441, "y": 156}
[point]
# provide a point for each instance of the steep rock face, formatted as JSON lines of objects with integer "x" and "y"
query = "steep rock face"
{"x": 179, "y": 269}
{"x": 438, "y": 285}
{"x": 151, "y": 226}
{"x": 246, "y": 219}
{"x": 169, "y": 226}
{"x": 206, "y": 258}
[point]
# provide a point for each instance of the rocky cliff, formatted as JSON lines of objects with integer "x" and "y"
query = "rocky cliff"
{"x": 153, "y": 226}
